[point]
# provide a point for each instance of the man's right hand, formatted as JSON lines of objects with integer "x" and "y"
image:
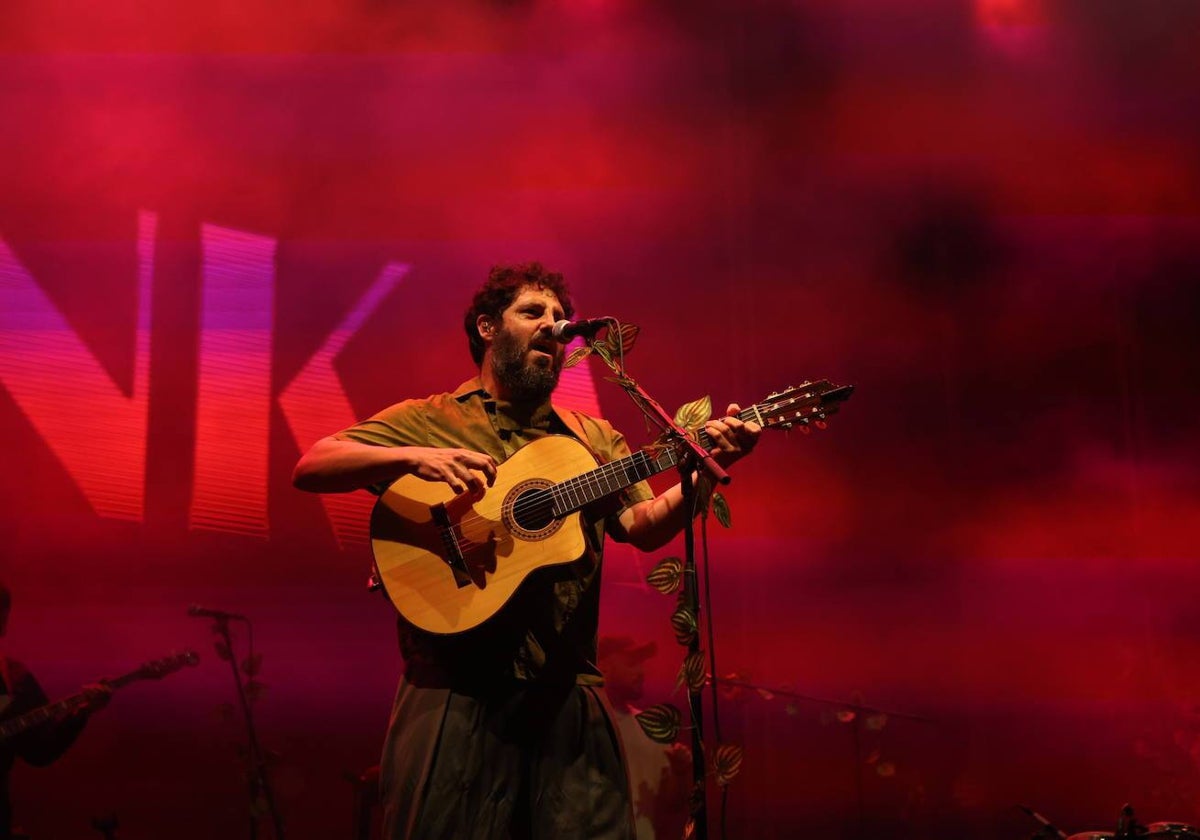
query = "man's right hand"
{"x": 462, "y": 469}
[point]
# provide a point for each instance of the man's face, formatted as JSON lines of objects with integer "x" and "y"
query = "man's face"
{"x": 525, "y": 358}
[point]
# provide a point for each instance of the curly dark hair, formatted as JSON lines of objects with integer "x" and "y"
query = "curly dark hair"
{"x": 503, "y": 284}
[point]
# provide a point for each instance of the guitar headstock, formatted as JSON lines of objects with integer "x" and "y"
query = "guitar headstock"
{"x": 158, "y": 668}
{"x": 800, "y": 406}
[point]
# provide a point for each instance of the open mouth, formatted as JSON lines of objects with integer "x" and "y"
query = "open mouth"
{"x": 546, "y": 348}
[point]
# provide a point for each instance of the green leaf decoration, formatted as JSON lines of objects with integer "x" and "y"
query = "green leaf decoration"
{"x": 727, "y": 761}
{"x": 720, "y": 509}
{"x": 623, "y": 381}
{"x": 876, "y": 722}
{"x": 684, "y": 622}
{"x": 667, "y": 575}
{"x": 660, "y": 723}
{"x": 576, "y": 356}
{"x": 693, "y": 671}
{"x": 695, "y": 414}
{"x": 627, "y": 336}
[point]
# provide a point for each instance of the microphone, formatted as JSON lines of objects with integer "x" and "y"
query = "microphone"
{"x": 563, "y": 331}
{"x": 198, "y": 611}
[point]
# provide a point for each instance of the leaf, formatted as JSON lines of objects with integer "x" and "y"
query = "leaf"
{"x": 683, "y": 620}
{"x": 766, "y": 693}
{"x": 693, "y": 671}
{"x": 252, "y": 665}
{"x": 222, "y": 650}
{"x": 603, "y": 348}
{"x": 689, "y": 830}
{"x": 886, "y": 769}
{"x": 727, "y": 761}
{"x": 660, "y": 723}
{"x": 576, "y": 356}
{"x": 627, "y": 336}
{"x": 624, "y": 382}
{"x": 876, "y": 722}
{"x": 846, "y": 716}
{"x": 666, "y": 575}
{"x": 695, "y": 414}
{"x": 720, "y": 509}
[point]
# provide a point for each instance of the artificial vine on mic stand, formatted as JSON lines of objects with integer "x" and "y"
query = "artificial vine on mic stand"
{"x": 262, "y": 797}
{"x": 662, "y": 723}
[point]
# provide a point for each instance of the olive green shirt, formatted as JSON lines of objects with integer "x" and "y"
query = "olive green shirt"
{"x": 548, "y": 629}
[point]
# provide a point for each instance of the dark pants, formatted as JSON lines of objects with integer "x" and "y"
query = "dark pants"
{"x": 524, "y": 761}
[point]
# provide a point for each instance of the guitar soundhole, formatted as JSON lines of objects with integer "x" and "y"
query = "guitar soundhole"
{"x": 529, "y": 509}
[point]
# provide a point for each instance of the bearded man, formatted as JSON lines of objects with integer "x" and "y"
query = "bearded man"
{"x": 503, "y": 731}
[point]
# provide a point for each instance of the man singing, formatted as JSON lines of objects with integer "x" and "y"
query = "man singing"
{"x": 503, "y": 730}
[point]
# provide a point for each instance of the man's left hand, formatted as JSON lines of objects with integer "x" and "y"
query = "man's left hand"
{"x": 732, "y": 437}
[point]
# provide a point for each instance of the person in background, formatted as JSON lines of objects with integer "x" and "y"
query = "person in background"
{"x": 44, "y": 743}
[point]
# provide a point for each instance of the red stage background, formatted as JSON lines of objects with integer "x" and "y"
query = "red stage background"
{"x": 227, "y": 228}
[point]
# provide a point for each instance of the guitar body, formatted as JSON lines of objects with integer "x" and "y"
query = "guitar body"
{"x": 502, "y": 537}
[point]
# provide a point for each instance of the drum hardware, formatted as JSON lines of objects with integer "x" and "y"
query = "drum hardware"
{"x": 1128, "y": 828}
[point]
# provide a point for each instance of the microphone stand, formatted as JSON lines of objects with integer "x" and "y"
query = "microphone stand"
{"x": 694, "y": 459}
{"x": 257, "y": 761}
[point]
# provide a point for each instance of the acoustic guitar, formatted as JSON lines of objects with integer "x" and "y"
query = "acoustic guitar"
{"x": 448, "y": 563}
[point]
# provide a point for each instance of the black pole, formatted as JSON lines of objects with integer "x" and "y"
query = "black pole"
{"x": 691, "y": 601}
{"x": 258, "y": 770}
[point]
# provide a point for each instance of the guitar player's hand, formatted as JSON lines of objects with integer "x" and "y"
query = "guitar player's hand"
{"x": 462, "y": 469}
{"x": 732, "y": 437}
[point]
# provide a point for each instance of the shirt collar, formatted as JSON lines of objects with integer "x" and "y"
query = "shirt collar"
{"x": 470, "y": 388}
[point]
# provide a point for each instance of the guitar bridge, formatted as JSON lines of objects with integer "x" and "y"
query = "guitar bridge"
{"x": 453, "y": 556}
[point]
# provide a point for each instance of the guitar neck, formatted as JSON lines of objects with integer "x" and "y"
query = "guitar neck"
{"x": 43, "y": 714}
{"x": 613, "y": 477}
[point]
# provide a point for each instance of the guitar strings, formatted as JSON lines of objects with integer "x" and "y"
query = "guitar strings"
{"x": 578, "y": 485}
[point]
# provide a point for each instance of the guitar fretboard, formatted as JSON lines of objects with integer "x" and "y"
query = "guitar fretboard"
{"x": 46, "y": 713}
{"x": 613, "y": 477}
